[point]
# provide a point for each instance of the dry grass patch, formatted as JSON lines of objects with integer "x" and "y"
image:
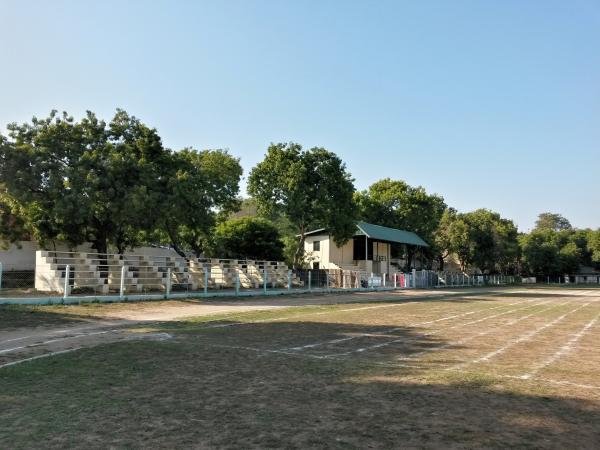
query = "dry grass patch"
{"x": 257, "y": 380}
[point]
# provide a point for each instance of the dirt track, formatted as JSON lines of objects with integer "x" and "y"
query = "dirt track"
{"x": 111, "y": 322}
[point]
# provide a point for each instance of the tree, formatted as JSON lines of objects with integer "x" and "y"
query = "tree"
{"x": 311, "y": 189}
{"x": 247, "y": 238}
{"x": 540, "y": 254}
{"x": 550, "y": 252}
{"x": 395, "y": 204}
{"x": 113, "y": 185}
{"x": 593, "y": 247}
{"x": 552, "y": 221}
{"x": 83, "y": 181}
{"x": 197, "y": 187}
{"x": 481, "y": 239}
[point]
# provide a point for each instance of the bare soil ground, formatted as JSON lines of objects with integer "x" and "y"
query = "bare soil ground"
{"x": 491, "y": 369}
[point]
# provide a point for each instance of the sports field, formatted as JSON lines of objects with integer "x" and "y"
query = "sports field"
{"x": 512, "y": 368}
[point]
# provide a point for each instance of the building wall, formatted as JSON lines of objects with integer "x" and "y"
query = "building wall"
{"x": 587, "y": 279}
{"x": 342, "y": 256}
{"x": 323, "y": 255}
{"x": 330, "y": 256}
{"x": 15, "y": 258}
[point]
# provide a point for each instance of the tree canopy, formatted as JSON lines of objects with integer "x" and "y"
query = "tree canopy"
{"x": 552, "y": 221}
{"x": 111, "y": 184}
{"x": 550, "y": 252}
{"x": 480, "y": 239}
{"x": 114, "y": 184}
{"x": 395, "y": 204}
{"x": 310, "y": 188}
{"x": 247, "y": 238}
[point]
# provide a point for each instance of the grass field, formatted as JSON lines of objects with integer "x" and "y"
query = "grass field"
{"x": 520, "y": 369}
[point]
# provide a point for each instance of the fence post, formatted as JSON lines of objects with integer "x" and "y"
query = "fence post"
{"x": 395, "y": 281}
{"x": 205, "y": 281}
{"x": 67, "y": 276}
{"x": 237, "y": 284}
{"x": 265, "y": 280}
{"x": 383, "y": 281}
{"x": 414, "y": 278}
{"x": 289, "y": 280}
{"x": 309, "y": 280}
{"x": 169, "y": 285}
{"x": 122, "y": 285}
{"x": 0, "y": 275}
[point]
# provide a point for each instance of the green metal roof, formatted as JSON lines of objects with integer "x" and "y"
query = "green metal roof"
{"x": 390, "y": 234}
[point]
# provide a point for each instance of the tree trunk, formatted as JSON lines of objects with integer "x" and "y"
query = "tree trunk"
{"x": 174, "y": 244}
{"x": 101, "y": 247}
{"x": 299, "y": 254}
{"x": 178, "y": 250}
{"x": 441, "y": 263}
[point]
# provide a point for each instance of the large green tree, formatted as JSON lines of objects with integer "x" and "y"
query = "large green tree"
{"x": 83, "y": 181}
{"x": 552, "y": 221}
{"x": 593, "y": 247}
{"x": 112, "y": 184}
{"x": 396, "y": 204}
{"x": 310, "y": 188}
{"x": 197, "y": 186}
{"x": 549, "y": 251}
{"x": 480, "y": 239}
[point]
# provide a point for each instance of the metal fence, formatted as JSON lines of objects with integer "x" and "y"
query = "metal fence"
{"x": 124, "y": 282}
{"x": 584, "y": 278}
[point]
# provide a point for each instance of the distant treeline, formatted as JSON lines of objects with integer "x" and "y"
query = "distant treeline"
{"x": 116, "y": 185}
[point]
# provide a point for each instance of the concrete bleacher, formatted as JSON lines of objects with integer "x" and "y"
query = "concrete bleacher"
{"x": 103, "y": 273}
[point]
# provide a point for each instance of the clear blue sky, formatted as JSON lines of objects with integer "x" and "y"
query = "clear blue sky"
{"x": 490, "y": 104}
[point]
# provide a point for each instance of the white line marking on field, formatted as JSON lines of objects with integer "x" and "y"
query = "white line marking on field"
{"x": 391, "y": 330}
{"x": 549, "y": 380}
{"x": 460, "y": 325}
{"x": 318, "y": 313}
{"x": 385, "y": 344}
{"x": 512, "y": 342}
{"x": 483, "y": 333}
{"x": 404, "y": 302}
{"x": 45, "y": 355}
{"x": 561, "y": 351}
{"x": 67, "y": 330}
{"x": 262, "y": 350}
{"x": 37, "y": 344}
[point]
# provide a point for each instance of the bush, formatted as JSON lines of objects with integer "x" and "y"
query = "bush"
{"x": 247, "y": 238}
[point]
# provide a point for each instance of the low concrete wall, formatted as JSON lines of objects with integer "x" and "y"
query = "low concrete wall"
{"x": 21, "y": 255}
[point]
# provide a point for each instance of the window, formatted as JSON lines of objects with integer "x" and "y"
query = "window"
{"x": 315, "y": 266}
{"x": 316, "y": 246}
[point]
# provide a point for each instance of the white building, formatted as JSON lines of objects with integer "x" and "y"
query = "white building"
{"x": 370, "y": 249}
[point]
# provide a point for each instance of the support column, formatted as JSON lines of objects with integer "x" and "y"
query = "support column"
{"x": 122, "y": 285}
{"x": 67, "y": 284}
{"x": 265, "y": 280}
{"x": 205, "y": 281}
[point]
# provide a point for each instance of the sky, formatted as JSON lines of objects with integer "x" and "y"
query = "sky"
{"x": 491, "y": 104}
